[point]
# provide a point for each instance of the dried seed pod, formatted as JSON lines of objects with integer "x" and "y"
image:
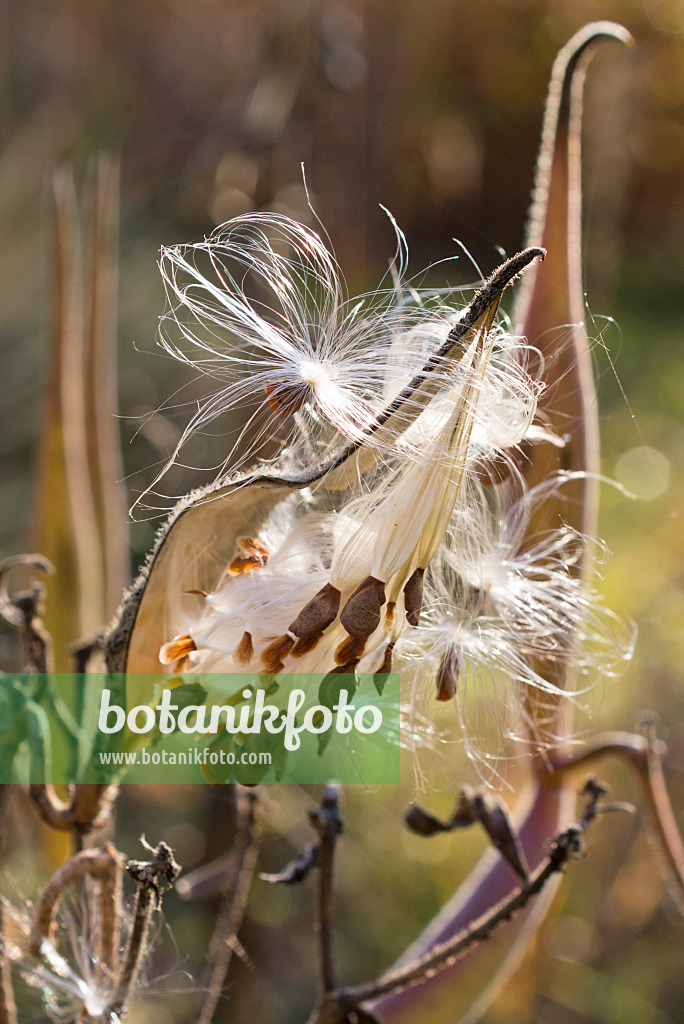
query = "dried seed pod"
{"x": 318, "y": 614}
{"x": 361, "y": 614}
{"x": 413, "y": 596}
{"x": 423, "y": 823}
{"x": 500, "y": 830}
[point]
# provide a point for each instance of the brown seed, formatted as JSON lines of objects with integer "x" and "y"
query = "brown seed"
{"x": 242, "y": 564}
{"x": 351, "y": 648}
{"x": 446, "y": 680}
{"x": 251, "y": 555}
{"x": 413, "y": 596}
{"x": 318, "y": 614}
{"x": 252, "y": 547}
{"x": 196, "y": 592}
{"x": 304, "y": 645}
{"x": 389, "y": 612}
{"x": 177, "y": 648}
{"x": 244, "y": 650}
{"x": 272, "y": 656}
{"x": 361, "y": 614}
{"x": 286, "y": 399}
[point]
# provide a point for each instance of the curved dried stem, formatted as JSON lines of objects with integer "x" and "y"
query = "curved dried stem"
{"x": 644, "y": 753}
{"x": 103, "y": 865}
{"x": 88, "y": 809}
{"x": 24, "y": 609}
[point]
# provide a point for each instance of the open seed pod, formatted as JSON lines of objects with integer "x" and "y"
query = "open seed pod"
{"x": 213, "y": 532}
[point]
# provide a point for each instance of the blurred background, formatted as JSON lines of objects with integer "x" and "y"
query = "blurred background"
{"x": 432, "y": 108}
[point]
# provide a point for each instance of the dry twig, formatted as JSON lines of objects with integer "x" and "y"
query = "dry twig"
{"x": 232, "y": 911}
{"x": 152, "y": 878}
{"x": 566, "y": 846}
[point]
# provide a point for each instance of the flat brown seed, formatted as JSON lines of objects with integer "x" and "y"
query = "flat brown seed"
{"x": 272, "y": 656}
{"x": 361, "y": 614}
{"x": 318, "y": 614}
{"x": 413, "y": 596}
{"x": 244, "y": 650}
{"x": 446, "y": 680}
{"x": 389, "y": 612}
{"x": 242, "y": 564}
{"x": 351, "y": 648}
{"x": 177, "y": 648}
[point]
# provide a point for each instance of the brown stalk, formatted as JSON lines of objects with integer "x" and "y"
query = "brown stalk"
{"x": 562, "y": 848}
{"x": 79, "y": 517}
{"x": 63, "y": 524}
{"x": 328, "y": 824}
{"x": 152, "y": 878}
{"x": 100, "y": 379}
{"x": 232, "y": 910}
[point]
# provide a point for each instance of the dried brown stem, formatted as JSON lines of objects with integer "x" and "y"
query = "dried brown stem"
{"x": 562, "y": 848}
{"x": 103, "y": 865}
{"x": 328, "y": 824}
{"x": 145, "y": 902}
{"x": 152, "y": 878}
{"x": 88, "y": 809}
{"x": 232, "y": 911}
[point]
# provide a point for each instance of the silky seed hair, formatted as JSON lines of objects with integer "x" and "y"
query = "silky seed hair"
{"x": 260, "y": 308}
